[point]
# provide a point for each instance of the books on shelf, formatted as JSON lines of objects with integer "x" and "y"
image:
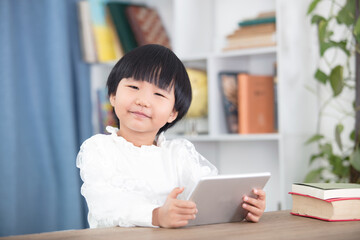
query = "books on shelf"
{"x": 249, "y": 102}
{"x": 108, "y": 29}
{"x": 104, "y": 41}
{"x": 229, "y": 92}
{"x": 255, "y": 103}
{"x": 256, "y": 32}
{"x": 87, "y": 39}
{"x": 147, "y": 26}
{"x": 327, "y": 201}
{"x": 126, "y": 35}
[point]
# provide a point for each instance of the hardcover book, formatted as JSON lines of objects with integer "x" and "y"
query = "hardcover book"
{"x": 262, "y": 20}
{"x": 103, "y": 38}
{"x": 327, "y": 190}
{"x": 147, "y": 26}
{"x": 257, "y": 40}
{"x": 229, "y": 92}
{"x": 334, "y": 209}
{"x": 87, "y": 40}
{"x": 256, "y": 103}
{"x": 126, "y": 36}
{"x": 253, "y": 30}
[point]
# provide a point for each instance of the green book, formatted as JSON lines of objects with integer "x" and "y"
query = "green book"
{"x": 327, "y": 190}
{"x": 257, "y": 21}
{"x": 123, "y": 28}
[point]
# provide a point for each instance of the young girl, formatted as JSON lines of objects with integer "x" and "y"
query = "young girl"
{"x": 134, "y": 176}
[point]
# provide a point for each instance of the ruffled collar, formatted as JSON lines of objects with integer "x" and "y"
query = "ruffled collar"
{"x": 159, "y": 140}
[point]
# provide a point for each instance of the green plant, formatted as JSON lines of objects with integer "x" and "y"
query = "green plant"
{"x": 341, "y": 162}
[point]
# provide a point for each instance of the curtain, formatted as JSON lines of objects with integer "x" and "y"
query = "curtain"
{"x": 45, "y": 114}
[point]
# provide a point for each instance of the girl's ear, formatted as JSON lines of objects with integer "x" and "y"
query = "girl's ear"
{"x": 112, "y": 99}
{"x": 173, "y": 116}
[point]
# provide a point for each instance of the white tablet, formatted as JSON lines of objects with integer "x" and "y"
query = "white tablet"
{"x": 219, "y": 198}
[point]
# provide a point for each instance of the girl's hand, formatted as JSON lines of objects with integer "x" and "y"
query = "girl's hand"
{"x": 255, "y": 206}
{"x": 174, "y": 213}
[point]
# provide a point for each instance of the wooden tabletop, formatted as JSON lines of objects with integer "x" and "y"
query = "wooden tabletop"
{"x": 273, "y": 225}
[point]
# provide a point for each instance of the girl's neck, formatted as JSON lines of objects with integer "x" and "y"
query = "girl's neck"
{"x": 138, "y": 139}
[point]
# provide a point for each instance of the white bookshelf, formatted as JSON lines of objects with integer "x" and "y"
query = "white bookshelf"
{"x": 198, "y": 29}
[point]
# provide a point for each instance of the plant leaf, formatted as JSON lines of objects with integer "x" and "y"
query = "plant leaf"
{"x": 312, "y": 6}
{"x": 321, "y": 76}
{"x": 357, "y": 30}
{"x": 314, "y": 138}
{"x": 322, "y": 30}
{"x": 346, "y": 15}
{"x": 327, "y": 149}
{"x": 355, "y": 159}
{"x": 315, "y": 156}
{"x": 337, "y": 80}
{"x": 337, "y": 166}
{"x": 338, "y": 129}
{"x": 314, "y": 175}
{"x": 352, "y": 135}
{"x": 341, "y": 45}
{"x": 316, "y": 19}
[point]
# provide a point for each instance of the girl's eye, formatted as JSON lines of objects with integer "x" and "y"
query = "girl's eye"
{"x": 159, "y": 94}
{"x": 133, "y": 87}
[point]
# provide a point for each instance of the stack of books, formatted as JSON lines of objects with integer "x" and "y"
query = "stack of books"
{"x": 108, "y": 29}
{"x": 255, "y": 32}
{"x": 327, "y": 201}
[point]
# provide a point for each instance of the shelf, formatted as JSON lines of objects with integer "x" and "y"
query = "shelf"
{"x": 228, "y": 137}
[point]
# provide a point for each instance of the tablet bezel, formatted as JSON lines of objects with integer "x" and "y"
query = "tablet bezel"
{"x": 219, "y": 198}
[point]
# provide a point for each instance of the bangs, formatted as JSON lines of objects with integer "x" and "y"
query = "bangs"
{"x": 153, "y": 67}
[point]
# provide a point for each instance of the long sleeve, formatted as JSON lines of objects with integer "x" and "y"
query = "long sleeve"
{"x": 112, "y": 200}
{"x": 191, "y": 165}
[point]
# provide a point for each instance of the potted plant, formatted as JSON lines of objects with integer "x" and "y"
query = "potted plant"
{"x": 334, "y": 161}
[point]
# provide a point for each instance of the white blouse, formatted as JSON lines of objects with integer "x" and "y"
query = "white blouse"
{"x": 123, "y": 183}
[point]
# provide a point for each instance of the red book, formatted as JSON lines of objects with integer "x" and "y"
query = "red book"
{"x": 333, "y": 209}
{"x": 255, "y": 103}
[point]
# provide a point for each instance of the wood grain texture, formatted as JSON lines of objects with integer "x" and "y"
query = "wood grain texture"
{"x": 273, "y": 225}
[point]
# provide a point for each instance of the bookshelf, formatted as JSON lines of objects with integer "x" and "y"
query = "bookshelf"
{"x": 197, "y": 29}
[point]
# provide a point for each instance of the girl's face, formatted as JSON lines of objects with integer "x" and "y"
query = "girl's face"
{"x": 143, "y": 107}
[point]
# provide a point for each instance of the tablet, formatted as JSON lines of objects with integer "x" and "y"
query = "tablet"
{"x": 219, "y": 198}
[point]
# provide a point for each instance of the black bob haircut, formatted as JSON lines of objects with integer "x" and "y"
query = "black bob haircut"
{"x": 158, "y": 65}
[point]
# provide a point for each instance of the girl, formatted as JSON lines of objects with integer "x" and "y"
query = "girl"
{"x": 134, "y": 176}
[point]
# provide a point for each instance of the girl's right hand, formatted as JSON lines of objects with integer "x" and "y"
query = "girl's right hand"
{"x": 174, "y": 213}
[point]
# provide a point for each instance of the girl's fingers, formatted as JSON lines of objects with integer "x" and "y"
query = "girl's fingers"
{"x": 260, "y": 193}
{"x": 254, "y": 210}
{"x": 184, "y": 204}
{"x": 185, "y": 211}
{"x": 252, "y": 218}
{"x": 255, "y": 202}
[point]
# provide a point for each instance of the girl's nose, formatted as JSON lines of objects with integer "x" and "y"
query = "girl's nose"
{"x": 142, "y": 102}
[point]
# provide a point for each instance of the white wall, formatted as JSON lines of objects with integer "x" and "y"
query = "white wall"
{"x": 298, "y": 57}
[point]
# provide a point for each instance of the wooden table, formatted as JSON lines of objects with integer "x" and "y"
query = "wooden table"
{"x": 273, "y": 225}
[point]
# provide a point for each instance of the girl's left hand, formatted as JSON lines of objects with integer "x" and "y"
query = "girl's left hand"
{"x": 255, "y": 206}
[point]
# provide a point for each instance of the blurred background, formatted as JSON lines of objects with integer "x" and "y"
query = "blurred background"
{"x": 55, "y": 57}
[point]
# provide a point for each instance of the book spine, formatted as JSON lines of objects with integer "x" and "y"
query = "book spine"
{"x": 229, "y": 89}
{"x": 243, "y": 104}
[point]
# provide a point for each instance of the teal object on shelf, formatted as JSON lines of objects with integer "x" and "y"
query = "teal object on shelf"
{"x": 257, "y": 21}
